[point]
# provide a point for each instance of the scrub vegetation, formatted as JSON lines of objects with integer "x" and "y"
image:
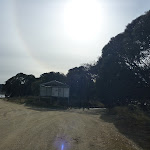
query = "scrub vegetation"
{"x": 132, "y": 122}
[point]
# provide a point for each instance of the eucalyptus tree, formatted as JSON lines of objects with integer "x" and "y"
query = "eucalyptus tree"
{"x": 124, "y": 68}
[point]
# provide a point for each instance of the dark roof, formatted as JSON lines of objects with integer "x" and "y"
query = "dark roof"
{"x": 54, "y": 83}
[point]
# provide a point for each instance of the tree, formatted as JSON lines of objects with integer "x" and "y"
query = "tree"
{"x": 19, "y": 85}
{"x": 124, "y": 68}
{"x": 81, "y": 85}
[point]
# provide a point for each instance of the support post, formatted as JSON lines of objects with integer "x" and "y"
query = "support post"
{"x": 68, "y": 102}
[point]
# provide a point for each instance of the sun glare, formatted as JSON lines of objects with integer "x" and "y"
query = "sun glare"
{"x": 82, "y": 19}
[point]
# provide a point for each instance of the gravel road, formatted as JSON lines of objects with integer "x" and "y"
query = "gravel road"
{"x": 26, "y": 128}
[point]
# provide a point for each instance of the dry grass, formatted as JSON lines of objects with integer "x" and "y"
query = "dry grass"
{"x": 132, "y": 122}
{"x": 37, "y": 102}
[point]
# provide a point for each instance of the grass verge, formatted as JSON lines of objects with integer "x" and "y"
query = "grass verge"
{"x": 37, "y": 102}
{"x": 132, "y": 122}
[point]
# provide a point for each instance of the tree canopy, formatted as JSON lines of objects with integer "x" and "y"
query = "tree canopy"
{"x": 19, "y": 85}
{"x": 124, "y": 68}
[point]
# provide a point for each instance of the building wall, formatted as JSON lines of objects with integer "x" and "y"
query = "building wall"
{"x": 61, "y": 92}
{"x": 42, "y": 91}
{"x": 54, "y": 91}
{"x": 48, "y": 91}
{"x": 66, "y": 92}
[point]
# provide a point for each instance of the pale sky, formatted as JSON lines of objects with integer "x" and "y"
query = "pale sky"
{"x": 38, "y": 36}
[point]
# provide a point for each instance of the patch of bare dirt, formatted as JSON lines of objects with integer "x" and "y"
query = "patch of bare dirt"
{"x": 25, "y": 128}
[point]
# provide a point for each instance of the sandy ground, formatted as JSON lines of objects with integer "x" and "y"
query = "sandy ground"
{"x": 25, "y": 128}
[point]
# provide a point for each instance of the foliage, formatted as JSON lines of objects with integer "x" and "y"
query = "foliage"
{"x": 47, "y": 77}
{"x": 1, "y": 87}
{"x": 124, "y": 68}
{"x": 19, "y": 85}
{"x": 81, "y": 85}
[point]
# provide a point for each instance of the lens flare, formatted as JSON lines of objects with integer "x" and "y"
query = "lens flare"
{"x": 62, "y": 147}
{"x": 62, "y": 142}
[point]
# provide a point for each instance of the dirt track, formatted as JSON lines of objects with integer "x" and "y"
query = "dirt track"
{"x": 25, "y": 128}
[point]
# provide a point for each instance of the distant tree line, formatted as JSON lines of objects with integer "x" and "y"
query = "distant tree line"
{"x": 79, "y": 80}
{"x": 1, "y": 87}
{"x": 121, "y": 76}
{"x": 28, "y": 85}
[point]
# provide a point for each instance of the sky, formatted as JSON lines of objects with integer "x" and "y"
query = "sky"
{"x": 38, "y": 36}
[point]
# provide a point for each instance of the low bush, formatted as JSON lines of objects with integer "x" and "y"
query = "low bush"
{"x": 36, "y": 101}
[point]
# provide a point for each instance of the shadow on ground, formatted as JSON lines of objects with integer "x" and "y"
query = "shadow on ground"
{"x": 90, "y": 111}
{"x": 36, "y": 108}
{"x": 140, "y": 134}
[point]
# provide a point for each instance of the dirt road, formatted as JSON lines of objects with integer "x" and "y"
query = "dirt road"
{"x": 25, "y": 128}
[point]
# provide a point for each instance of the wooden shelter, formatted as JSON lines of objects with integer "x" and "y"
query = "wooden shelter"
{"x": 54, "y": 89}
